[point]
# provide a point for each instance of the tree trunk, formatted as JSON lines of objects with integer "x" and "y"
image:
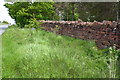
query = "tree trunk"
{"x": 73, "y": 11}
{"x": 118, "y": 11}
{"x": 67, "y": 16}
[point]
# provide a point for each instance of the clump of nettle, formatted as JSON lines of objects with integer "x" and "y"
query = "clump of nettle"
{"x": 114, "y": 62}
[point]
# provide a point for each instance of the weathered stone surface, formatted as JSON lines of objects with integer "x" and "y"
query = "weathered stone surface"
{"x": 105, "y": 34}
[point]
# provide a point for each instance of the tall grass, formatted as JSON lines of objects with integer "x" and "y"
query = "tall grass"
{"x": 39, "y": 54}
{"x": 0, "y": 57}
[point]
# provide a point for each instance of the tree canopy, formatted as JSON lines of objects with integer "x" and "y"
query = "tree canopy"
{"x": 89, "y": 11}
{"x": 23, "y": 12}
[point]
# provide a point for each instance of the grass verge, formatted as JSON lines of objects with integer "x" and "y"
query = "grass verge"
{"x": 40, "y": 54}
{"x": 2, "y": 23}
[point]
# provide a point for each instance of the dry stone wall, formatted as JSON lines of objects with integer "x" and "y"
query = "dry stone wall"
{"x": 105, "y": 34}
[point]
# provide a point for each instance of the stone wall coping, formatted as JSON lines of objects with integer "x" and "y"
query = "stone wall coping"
{"x": 110, "y": 23}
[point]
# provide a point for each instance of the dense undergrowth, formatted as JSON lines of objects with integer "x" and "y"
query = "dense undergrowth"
{"x": 30, "y": 53}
